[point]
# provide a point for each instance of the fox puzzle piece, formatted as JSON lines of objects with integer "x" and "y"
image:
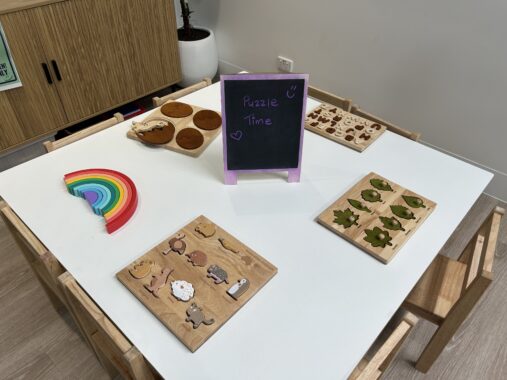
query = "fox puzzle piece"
{"x": 158, "y": 281}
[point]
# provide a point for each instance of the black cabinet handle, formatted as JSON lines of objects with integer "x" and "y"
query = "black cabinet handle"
{"x": 56, "y": 70}
{"x": 47, "y": 73}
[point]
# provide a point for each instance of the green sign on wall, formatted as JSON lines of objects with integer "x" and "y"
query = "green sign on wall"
{"x": 9, "y": 77}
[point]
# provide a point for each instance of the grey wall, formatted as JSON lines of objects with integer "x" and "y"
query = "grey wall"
{"x": 437, "y": 67}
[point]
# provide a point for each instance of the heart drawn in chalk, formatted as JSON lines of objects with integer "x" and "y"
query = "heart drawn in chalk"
{"x": 236, "y": 135}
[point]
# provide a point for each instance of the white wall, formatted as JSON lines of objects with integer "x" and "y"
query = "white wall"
{"x": 437, "y": 67}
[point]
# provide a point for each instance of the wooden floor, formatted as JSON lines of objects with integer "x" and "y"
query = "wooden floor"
{"x": 37, "y": 343}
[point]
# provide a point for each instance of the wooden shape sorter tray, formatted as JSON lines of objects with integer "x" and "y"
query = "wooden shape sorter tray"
{"x": 220, "y": 249}
{"x": 387, "y": 223}
{"x": 181, "y": 123}
{"x": 343, "y": 127}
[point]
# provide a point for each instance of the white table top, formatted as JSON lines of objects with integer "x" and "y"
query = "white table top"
{"x": 288, "y": 330}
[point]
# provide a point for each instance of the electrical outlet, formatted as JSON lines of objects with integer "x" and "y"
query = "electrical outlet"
{"x": 285, "y": 64}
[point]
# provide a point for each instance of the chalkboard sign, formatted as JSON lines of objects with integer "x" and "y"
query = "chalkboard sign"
{"x": 263, "y": 123}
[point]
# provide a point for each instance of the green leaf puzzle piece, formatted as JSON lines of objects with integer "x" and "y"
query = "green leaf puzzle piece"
{"x": 391, "y": 223}
{"x": 378, "y": 237}
{"x": 358, "y": 205}
{"x": 402, "y": 212}
{"x": 371, "y": 195}
{"x": 345, "y": 218}
{"x": 380, "y": 184}
{"x": 414, "y": 202}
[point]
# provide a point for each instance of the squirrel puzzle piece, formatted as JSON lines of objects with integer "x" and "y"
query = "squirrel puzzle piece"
{"x": 239, "y": 288}
{"x": 391, "y": 223}
{"x": 380, "y": 184}
{"x": 217, "y": 274}
{"x": 371, "y": 195}
{"x": 227, "y": 244}
{"x": 358, "y": 205}
{"x": 141, "y": 269}
{"x": 177, "y": 244}
{"x": 182, "y": 290}
{"x": 158, "y": 281}
{"x": 402, "y": 212}
{"x": 197, "y": 258}
{"x": 345, "y": 218}
{"x": 414, "y": 202}
{"x": 205, "y": 229}
{"x": 378, "y": 237}
{"x": 196, "y": 316}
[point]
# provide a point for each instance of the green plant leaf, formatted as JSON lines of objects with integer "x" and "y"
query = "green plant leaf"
{"x": 414, "y": 202}
{"x": 402, "y": 212}
{"x": 378, "y": 237}
{"x": 359, "y": 205}
{"x": 380, "y": 184}
{"x": 345, "y": 218}
{"x": 391, "y": 223}
{"x": 371, "y": 195}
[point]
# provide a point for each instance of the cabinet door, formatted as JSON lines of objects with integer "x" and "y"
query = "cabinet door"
{"x": 35, "y": 108}
{"x": 109, "y": 52}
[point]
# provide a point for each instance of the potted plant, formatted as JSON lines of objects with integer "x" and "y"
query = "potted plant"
{"x": 198, "y": 51}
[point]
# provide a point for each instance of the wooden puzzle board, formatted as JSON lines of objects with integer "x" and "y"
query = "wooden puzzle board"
{"x": 211, "y": 297}
{"x": 368, "y": 221}
{"x": 343, "y": 127}
{"x": 179, "y": 124}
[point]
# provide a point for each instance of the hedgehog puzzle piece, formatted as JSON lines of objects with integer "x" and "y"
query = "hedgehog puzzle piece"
{"x": 197, "y": 258}
{"x": 176, "y": 244}
{"x": 196, "y": 316}
{"x": 217, "y": 274}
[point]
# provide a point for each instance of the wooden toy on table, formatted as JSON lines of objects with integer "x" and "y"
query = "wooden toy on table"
{"x": 343, "y": 127}
{"x": 377, "y": 215}
{"x": 110, "y": 194}
{"x": 218, "y": 301}
{"x": 180, "y": 127}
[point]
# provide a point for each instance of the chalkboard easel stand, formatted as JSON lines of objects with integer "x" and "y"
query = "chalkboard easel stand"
{"x": 231, "y": 177}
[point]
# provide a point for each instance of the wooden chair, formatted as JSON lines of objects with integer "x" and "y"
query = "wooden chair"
{"x": 157, "y": 102}
{"x": 390, "y": 127}
{"x": 116, "y": 354}
{"x": 45, "y": 266}
{"x": 54, "y": 145}
{"x": 384, "y": 350}
{"x": 327, "y": 97}
{"x": 449, "y": 289}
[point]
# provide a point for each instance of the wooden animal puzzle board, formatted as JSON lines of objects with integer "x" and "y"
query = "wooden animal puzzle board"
{"x": 180, "y": 124}
{"x": 343, "y": 127}
{"x": 377, "y": 215}
{"x": 220, "y": 249}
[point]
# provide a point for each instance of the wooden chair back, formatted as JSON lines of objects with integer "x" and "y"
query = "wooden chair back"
{"x": 327, "y": 97}
{"x": 385, "y": 349}
{"x": 158, "y": 101}
{"x": 43, "y": 263}
{"x": 390, "y": 127}
{"x": 114, "y": 351}
{"x": 54, "y": 145}
{"x": 480, "y": 253}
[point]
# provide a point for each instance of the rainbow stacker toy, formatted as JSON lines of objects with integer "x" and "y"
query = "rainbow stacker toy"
{"x": 110, "y": 194}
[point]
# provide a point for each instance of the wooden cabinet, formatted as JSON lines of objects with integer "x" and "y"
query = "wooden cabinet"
{"x": 99, "y": 54}
{"x": 35, "y": 108}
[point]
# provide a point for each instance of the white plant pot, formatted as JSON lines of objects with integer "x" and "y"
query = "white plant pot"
{"x": 199, "y": 59}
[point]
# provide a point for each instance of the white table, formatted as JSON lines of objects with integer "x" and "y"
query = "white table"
{"x": 288, "y": 330}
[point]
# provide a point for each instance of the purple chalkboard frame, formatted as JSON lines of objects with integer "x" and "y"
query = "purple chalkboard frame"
{"x": 294, "y": 174}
